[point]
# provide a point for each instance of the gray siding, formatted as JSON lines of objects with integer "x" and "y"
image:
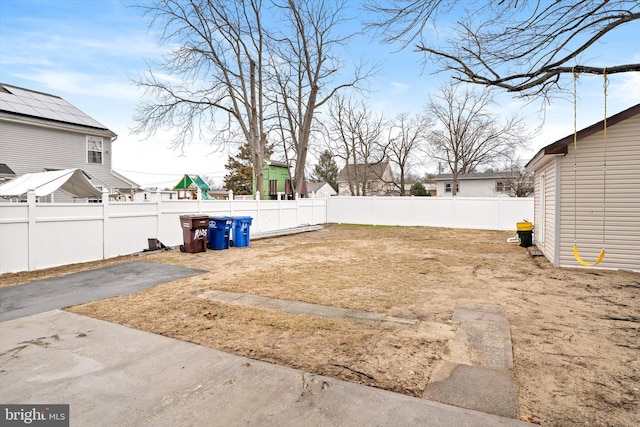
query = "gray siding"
{"x": 545, "y": 209}
{"x": 583, "y": 199}
{"x": 29, "y": 148}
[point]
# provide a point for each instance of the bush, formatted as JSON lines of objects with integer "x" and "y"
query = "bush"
{"x": 418, "y": 189}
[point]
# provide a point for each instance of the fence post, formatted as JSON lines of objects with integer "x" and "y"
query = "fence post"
{"x": 105, "y": 224}
{"x": 230, "y": 202}
{"x": 279, "y": 209}
{"x": 453, "y": 211}
{"x": 199, "y": 197}
{"x": 258, "y": 212}
{"x": 32, "y": 242}
{"x": 373, "y": 210}
{"x": 158, "y": 212}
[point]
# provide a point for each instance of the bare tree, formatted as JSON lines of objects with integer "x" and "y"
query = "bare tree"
{"x": 217, "y": 67}
{"x": 248, "y": 66}
{"x": 355, "y": 137}
{"x": 305, "y": 65}
{"x": 516, "y": 181}
{"x": 406, "y": 135}
{"x": 468, "y": 134}
{"x": 521, "y": 45}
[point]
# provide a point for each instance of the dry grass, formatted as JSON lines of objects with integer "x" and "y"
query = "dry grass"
{"x": 575, "y": 332}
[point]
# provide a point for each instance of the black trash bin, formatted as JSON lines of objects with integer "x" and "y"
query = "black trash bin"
{"x": 525, "y": 233}
{"x": 194, "y": 233}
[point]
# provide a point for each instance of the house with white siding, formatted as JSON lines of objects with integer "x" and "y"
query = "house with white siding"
{"x": 41, "y": 132}
{"x": 474, "y": 184}
{"x": 320, "y": 189}
{"x": 588, "y": 194}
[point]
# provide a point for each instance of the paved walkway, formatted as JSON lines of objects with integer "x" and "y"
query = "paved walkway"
{"x": 299, "y": 307}
{"x": 113, "y": 375}
{"x": 475, "y": 371}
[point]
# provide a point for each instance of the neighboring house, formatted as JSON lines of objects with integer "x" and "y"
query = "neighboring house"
{"x": 320, "y": 189}
{"x": 276, "y": 175}
{"x": 6, "y": 173}
{"x": 366, "y": 180}
{"x": 477, "y": 184}
{"x": 277, "y": 181}
{"x": 189, "y": 185}
{"x": 152, "y": 195}
{"x": 41, "y": 132}
{"x": 219, "y": 194}
{"x": 584, "y": 204}
{"x": 431, "y": 188}
{"x": 127, "y": 191}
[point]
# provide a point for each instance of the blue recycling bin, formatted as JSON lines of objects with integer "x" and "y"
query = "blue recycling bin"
{"x": 241, "y": 228}
{"x": 219, "y": 231}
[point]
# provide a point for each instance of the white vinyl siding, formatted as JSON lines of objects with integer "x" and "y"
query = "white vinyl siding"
{"x": 583, "y": 217}
{"x": 27, "y": 148}
{"x": 545, "y": 210}
{"x": 474, "y": 187}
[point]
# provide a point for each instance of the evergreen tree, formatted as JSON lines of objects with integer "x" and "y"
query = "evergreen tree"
{"x": 326, "y": 170}
{"x": 240, "y": 176}
{"x": 417, "y": 189}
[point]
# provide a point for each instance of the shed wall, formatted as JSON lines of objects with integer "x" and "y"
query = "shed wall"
{"x": 594, "y": 210}
{"x": 545, "y": 210}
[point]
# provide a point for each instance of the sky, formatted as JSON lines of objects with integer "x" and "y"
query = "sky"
{"x": 89, "y": 52}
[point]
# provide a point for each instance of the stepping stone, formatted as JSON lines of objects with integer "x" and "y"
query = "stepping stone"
{"x": 299, "y": 307}
{"x": 491, "y": 391}
{"x": 474, "y": 374}
{"x": 251, "y": 300}
{"x": 364, "y": 317}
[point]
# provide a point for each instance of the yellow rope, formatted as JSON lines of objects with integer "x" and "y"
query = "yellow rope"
{"x": 576, "y": 252}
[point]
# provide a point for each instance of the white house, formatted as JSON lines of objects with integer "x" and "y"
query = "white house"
{"x": 477, "y": 184}
{"x": 41, "y": 132}
{"x": 320, "y": 189}
{"x": 588, "y": 195}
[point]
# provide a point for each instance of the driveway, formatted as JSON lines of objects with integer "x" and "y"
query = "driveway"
{"x": 77, "y": 288}
{"x": 110, "y": 375}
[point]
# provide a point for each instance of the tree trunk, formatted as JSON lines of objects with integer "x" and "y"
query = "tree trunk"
{"x": 454, "y": 184}
{"x": 257, "y": 140}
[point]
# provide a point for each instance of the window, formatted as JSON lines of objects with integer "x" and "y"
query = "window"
{"x": 447, "y": 187}
{"x": 502, "y": 187}
{"x": 94, "y": 150}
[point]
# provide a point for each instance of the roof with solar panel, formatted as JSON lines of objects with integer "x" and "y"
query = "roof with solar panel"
{"x": 28, "y": 103}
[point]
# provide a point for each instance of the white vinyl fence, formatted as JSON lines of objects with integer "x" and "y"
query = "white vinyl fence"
{"x": 34, "y": 235}
{"x": 41, "y": 235}
{"x": 487, "y": 213}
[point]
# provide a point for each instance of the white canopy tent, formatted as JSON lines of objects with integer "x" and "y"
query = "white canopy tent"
{"x": 73, "y": 181}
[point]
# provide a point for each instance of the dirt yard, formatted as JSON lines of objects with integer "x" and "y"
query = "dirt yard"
{"x": 575, "y": 332}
